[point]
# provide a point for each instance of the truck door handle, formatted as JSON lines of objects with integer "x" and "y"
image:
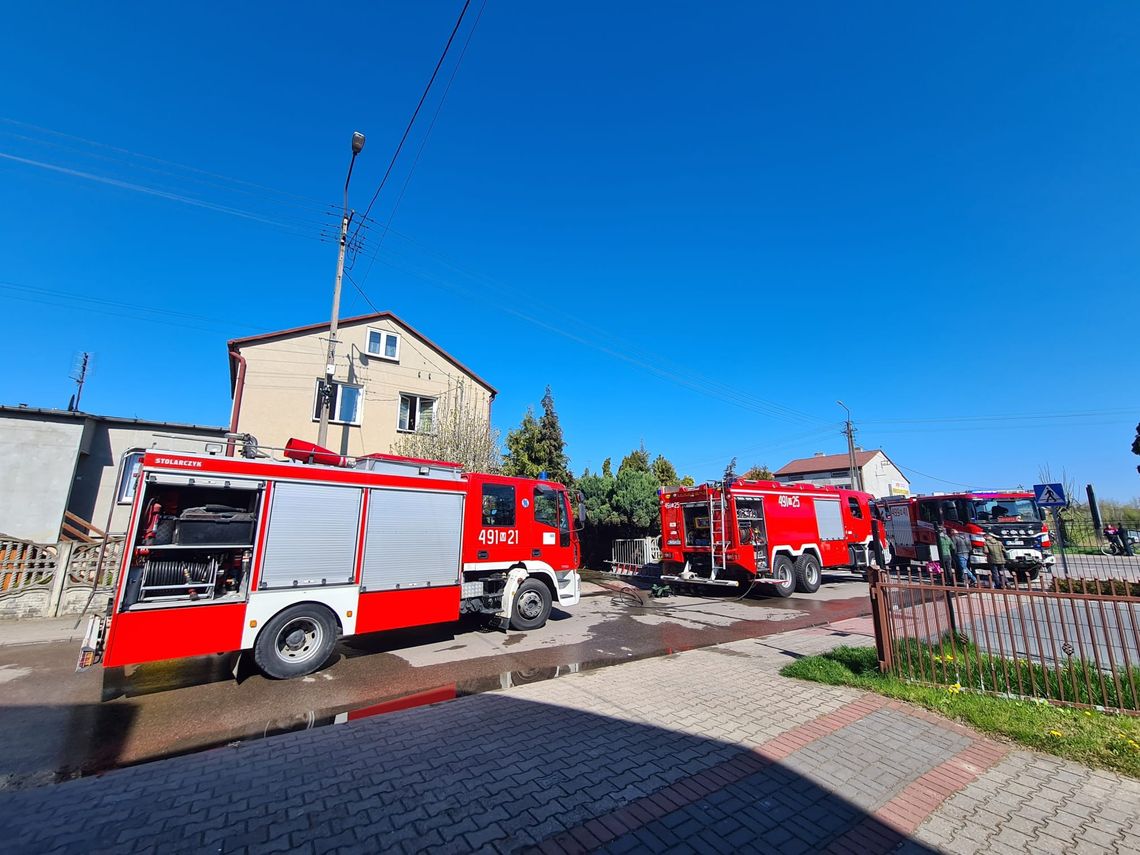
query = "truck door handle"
{"x": 535, "y": 553}
{"x": 482, "y": 553}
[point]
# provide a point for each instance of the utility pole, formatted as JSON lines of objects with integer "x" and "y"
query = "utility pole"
{"x": 79, "y": 381}
{"x": 330, "y": 362}
{"x": 856, "y": 474}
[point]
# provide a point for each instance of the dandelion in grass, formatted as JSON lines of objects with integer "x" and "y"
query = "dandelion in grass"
{"x": 1055, "y": 733}
{"x": 954, "y": 689}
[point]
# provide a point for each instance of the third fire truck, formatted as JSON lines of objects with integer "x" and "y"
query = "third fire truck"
{"x": 1012, "y": 516}
{"x": 283, "y": 557}
{"x": 783, "y": 535}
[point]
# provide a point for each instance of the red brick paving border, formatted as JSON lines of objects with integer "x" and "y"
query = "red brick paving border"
{"x": 910, "y": 808}
{"x": 901, "y": 815}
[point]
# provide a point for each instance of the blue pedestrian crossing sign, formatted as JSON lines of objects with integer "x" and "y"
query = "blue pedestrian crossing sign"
{"x": 1050, "y": 495}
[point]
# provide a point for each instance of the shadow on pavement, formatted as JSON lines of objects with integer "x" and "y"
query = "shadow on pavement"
{"x": 489, "y": 771}
{"x": 93, "y": 739}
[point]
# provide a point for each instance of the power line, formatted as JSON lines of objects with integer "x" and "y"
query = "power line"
{"x": 423, "y": 145}
{"x": 162, "y": 194}
{"x": 124, "y": 151}
{"x": 604, "y": 343}
{"x": 932, "y": 477}
{"x": 1007, "y": 417}
{"x": 416, "y": 112}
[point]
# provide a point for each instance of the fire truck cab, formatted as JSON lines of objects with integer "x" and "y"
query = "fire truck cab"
{"x": 1012, "y": 516}
{"x": 782, "y": 535}
{"x": 283, "y": 557}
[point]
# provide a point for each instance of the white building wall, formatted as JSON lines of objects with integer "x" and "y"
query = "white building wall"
{"x": 97, "y": 476}
{"x": 882, "y": 478}
{"x": 37, "y": 463}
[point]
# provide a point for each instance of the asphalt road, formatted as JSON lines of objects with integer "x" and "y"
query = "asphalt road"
{"x": 58, "y": 724}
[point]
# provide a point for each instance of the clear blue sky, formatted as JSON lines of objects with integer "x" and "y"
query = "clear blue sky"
{"x": 736, "y": 214}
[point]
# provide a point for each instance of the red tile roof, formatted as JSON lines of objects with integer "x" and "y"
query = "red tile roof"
{"x": 826, "y": 463}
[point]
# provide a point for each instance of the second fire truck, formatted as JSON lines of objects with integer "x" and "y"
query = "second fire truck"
{"x": 1012, "y": 516}
{"x": 782, "y": 535}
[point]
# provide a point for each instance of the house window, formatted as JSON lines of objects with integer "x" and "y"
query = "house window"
{"x": 344, "y": 408}
{"x": 417, "y": 414}
{"x": 384, "y": 344}
{"x": 129, "y": 479}
{"x": 498, "y": 504}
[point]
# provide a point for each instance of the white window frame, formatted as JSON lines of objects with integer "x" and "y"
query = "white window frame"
{"x": 129, "y": 481}
{"x": 335, "y": 401}
{"x": 383, "y": 333}
{"x": 418, "y": 399}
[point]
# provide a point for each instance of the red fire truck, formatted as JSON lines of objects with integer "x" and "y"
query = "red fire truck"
{"x": 283, "y": 557}
{"x": 1010, "y": 515}
{"x": 779, "y": 534}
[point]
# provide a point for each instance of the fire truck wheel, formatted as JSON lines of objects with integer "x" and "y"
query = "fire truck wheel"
{"x": 532, "y": 605}
{"x": 783, "y": 575}
{"x": 808, "y": 574}
{"x": 295, "y": 642}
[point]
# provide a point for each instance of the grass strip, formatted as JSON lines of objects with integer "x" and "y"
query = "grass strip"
{"x": 1093, "y": 738}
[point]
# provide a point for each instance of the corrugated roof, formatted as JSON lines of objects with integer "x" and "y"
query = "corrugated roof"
{"x": 239, "y": 343}
{"x": 826, "y": 463}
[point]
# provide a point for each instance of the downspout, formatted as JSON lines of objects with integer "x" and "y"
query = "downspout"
{"x": 239, "y": 387}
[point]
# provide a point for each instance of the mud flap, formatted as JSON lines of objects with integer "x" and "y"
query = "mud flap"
{"x": 91, "y": 650}
{"x": 514, "y": 578}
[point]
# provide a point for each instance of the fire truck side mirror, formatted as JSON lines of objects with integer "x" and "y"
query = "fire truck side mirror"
{"x": 581, "y": 511}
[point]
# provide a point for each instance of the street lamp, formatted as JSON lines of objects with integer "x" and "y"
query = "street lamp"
{"x": 330, "y": 362}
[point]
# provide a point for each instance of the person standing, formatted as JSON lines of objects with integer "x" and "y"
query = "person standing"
{"x": 995, "y": 552}
{"x": 946, "y": 555}
{"x": 962, "y": 557}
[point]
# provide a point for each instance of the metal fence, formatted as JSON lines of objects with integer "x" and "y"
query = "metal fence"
{"x": 1069, "y": 635}
{"x": 636, "y": 557}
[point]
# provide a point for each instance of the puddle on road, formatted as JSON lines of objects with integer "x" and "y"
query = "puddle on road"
{"x": 740, "y": 622}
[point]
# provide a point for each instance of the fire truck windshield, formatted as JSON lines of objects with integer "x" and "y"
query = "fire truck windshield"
{"x": 1006, "y": 510}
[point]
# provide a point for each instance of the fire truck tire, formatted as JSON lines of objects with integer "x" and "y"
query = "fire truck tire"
{"x": 532, "y": 605}
{"x": 296, "y": 641}
{"x": 809, "y": 574}
{"x": 783, "y": 575}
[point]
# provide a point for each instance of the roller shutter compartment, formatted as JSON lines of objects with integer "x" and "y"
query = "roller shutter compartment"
{"x": 829, "y": 519}
{"x": 312, "y": 536}
{"x": 413, "y": 539}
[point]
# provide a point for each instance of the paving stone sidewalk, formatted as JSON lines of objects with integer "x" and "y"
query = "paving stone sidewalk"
{"x": 707, "y": 750}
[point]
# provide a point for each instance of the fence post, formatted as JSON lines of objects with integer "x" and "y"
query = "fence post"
{"x": 881, "y": 647}
{"x": 59, "y": 577}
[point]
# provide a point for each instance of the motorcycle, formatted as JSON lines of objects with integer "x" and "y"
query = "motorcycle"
{"x": 1118, "y": 541}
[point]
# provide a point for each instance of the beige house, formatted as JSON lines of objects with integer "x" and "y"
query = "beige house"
{"x": 389, "y": 380}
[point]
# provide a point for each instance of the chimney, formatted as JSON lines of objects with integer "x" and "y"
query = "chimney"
{"x": 858, "y": 448}
{"x": 819, "y": 454}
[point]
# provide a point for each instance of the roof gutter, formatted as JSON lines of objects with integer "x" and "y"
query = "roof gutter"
{"x": 239, "y": 387}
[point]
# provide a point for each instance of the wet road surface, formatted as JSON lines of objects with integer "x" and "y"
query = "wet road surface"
{"x": 58, "y": 724}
